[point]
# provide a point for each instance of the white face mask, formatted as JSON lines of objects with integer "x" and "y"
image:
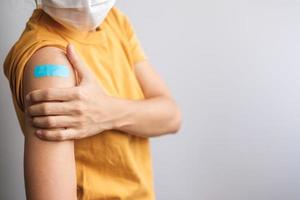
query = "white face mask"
{"x": 83, "y": 15}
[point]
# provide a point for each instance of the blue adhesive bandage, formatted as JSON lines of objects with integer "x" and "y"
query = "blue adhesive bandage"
{"x": 51, "y": 70}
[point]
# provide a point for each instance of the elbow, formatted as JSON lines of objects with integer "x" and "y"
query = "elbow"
{"x": 176, "y": 121}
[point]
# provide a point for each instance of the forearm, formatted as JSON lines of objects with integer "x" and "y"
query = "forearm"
{"x": 147, "y": 118}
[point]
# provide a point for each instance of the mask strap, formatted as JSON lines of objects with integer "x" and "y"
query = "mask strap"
{"x": 38, "y": 3}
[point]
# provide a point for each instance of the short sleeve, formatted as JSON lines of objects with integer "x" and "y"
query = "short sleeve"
{"x": 15, "y": 63}
{"x": 14, "y": 66}
{"x": 136, "y": 49}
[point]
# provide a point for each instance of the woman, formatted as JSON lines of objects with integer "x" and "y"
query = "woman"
{"x": 87, "y": 114}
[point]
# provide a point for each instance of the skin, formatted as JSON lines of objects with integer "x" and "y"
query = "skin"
{"x": 86, "y": 110}
{"x": 49, "y": 167}
{"x": 54, "y": 103}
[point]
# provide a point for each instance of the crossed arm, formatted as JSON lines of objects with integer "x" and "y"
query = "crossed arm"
{"x": 86, "y": 110}
{"x": 54, "y": 176}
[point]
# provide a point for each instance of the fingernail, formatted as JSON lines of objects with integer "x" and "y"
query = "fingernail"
{"x": 39, "y": 132}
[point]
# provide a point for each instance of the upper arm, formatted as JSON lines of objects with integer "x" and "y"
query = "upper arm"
{"x": 150, "y": 81}
{"x": 49, "y": 167}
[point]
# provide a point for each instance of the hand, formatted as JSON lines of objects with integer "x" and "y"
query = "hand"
{"x": 71, "y": 113}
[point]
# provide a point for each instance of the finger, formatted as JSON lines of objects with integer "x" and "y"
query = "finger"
{"x": 51, "y": 94}
{"x": 57, "y": 135}
{"x": 51, "y": 108}
{"x": 49, "y": 122}
{"x": 78, "y": 64}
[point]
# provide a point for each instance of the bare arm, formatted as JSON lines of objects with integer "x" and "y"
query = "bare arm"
{"x": 157, "y": 115}
{"x": 49, "y": 167}
{"x": 92, "y": 111}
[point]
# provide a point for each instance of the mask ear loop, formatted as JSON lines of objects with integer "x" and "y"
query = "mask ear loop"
{"x": 38, "y": 3}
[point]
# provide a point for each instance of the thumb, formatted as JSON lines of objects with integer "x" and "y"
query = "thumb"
{"x": 77, "y": 64}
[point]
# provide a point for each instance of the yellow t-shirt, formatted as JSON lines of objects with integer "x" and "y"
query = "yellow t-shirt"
{"x": 112, "y": 164}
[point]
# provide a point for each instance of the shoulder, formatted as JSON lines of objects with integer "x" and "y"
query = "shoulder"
{"x": 39, "y": 31}
{"x": 117, "y": 14}
{"x": 40, "y": 28}
{"x": 116, "y": 17}
{"x": 32, "y": 47}
{"x": 34, "y": 37}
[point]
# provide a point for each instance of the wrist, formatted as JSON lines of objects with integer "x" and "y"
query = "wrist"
{"x": 123, "y": 113}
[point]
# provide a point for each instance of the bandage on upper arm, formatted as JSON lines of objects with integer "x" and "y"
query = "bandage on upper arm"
{"x": 51, "y": 70}
{"x": 48, "y": 68}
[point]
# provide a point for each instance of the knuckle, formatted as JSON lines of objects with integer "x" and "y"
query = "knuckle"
{"x": 50, "y": 122}
{"x": 80, "y": 94}
{"x": 30, "y": 110}
{"x": 44, "y": 108}
{"x": 33, "y": 97}
{"x": 34, "y": 121}
{"x": 79, "y": 108}
{"x": 80, "y": 121}
{"x": 46, "y": 94}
